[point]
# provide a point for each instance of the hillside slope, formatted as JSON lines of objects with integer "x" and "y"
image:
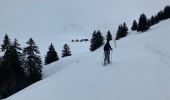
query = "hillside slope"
{"x": 140, "y": 70}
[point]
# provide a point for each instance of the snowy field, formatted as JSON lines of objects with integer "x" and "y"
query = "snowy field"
{"x": 140, "y": 70}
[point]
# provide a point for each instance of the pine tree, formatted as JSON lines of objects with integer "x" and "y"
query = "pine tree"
{"x": 143, "y": 24}
{"x": 156, "y": 19}
{"x": 119, "y": 31}
{"x": 12, "y": 75}
{"x": 122, "y": 31}
{"x": 21, "y": 70}
{"x": 109, "y": 36}
{"x": 149, "y": 22}
{"x": 161, "y": 15}
{"x": 51, "y": 55}
{"x": 33, "y": 63}
{"x": 16, "y": 45}
{"x": 66, "y": 51}
{"x": 100, "y": 39}
{"x": 125, "y": 29}
{"x": 134, "y": 26}
{"x": 6, "y": 43}
{"x": 93, "y": 42}
{"x": 167, "y": 12}
{"x": 97, "y": 40}
{"x": 152, "y": 21}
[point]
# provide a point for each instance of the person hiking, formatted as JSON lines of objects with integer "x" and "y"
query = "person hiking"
{"x": 107, "y": 49}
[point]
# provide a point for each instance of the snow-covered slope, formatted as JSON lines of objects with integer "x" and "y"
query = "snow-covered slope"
{"x": 140, "y": 70}
{"x": 59, "y": 21}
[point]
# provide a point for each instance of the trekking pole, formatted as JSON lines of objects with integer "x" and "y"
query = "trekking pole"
{"x": 111, "y": 56}
{"x": 103, "y": 59}
{"x": 115, "y": 42}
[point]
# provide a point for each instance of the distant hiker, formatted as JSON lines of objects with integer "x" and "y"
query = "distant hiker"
{"x": 107, "y": 49}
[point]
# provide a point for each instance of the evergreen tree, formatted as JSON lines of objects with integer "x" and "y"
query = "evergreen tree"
{"x": 125, "y": 28}
{"x": 66, "y": 51}
{"x": 109, "y": 36}
{"x": 134, "y": 26}
{"x": 100, "y": 39}
{"x": 156, "y": 19}
{"x": 119, "y": 32}
{"x": 167, "y": 12}
{"x": 6, "y": 43}
{"x": 12, "y": 75}
{"x": 18, "y": 49}
{"x": 97, "y": 40}
{"x": 143, "y": 24}
{"x": 21, "y": 70}
{"x": 152, "y": 20}
{"x": 51, "y": 55}
{"x": 17, "y": 45}
{"x": 33, "y": 63}
{"x": 122, "y": 31}
{"x": 93, "y": 42}
{"x": 161, "y": 15}
{"x": 149, "y": 22}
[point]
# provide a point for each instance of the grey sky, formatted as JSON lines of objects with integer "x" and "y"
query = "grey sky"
{"x": 42, "y": 16}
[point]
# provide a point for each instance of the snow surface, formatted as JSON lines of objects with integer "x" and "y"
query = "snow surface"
{"x": 140, "y": 70}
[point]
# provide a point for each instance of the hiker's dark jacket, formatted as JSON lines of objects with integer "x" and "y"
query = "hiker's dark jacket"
{"x": 107, "y": 47}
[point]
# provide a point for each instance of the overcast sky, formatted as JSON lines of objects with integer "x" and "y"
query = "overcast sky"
{"x": 51, "y": 16}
